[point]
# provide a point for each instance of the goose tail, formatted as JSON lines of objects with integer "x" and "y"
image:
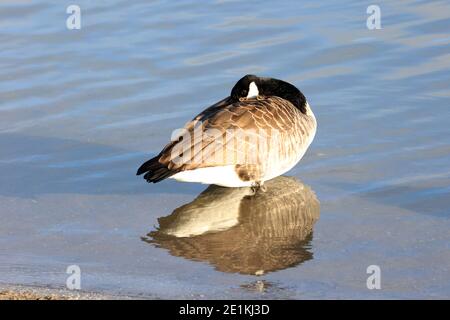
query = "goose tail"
{"x": 154, "y": 170}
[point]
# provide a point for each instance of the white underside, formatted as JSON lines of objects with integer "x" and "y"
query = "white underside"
{"x": 224, "y": 176}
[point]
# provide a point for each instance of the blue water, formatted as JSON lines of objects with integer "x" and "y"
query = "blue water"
{"x": 81, "y": 109}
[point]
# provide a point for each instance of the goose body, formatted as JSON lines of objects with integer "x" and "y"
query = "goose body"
{"x": 259, "y": 132}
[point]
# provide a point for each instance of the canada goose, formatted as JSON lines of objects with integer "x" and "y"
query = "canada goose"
{"x": 257, "y": 133}
{"x": 239, "y": 232}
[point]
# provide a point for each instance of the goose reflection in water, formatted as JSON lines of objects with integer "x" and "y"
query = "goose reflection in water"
{"x": 238, "y": 231}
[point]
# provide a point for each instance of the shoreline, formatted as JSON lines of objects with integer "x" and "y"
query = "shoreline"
{"x": 24, "y": 292}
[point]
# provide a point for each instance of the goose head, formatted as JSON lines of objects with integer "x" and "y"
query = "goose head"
{"x": 251, "y": 86}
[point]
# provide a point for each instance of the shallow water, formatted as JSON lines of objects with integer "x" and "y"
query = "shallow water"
{"x": 81, "y": 109}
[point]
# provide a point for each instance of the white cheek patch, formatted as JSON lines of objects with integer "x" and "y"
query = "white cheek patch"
{"x": 252, "y": 90}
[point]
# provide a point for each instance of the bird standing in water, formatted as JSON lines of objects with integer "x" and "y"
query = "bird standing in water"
{"x": 259, "y": 132}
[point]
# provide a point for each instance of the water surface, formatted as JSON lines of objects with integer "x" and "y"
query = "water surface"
{"x": 81, "y": 109}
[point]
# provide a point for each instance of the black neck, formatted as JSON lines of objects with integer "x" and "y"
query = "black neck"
{"x": 286, "y": 91}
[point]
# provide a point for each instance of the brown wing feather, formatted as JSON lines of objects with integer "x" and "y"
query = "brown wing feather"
{"x": 228, "y": 133}
{"x": 228, "y": 124}
{"x": 157, "y": 169}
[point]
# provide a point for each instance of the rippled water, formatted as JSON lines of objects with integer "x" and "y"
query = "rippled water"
{"x": 81, "y": 109}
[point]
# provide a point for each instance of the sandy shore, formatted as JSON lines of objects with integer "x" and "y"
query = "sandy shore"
{"x": 12, "y": 292}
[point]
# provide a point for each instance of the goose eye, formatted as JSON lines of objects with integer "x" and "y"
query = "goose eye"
{"x": 244, "y": 93}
